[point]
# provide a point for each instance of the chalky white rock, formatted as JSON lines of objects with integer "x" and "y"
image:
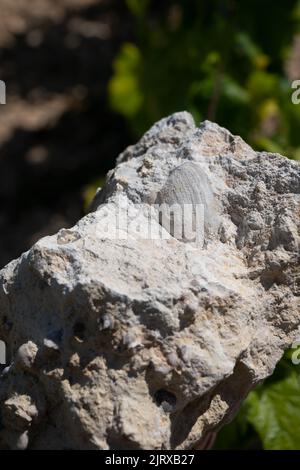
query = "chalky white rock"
{"x": 157, "y": 342}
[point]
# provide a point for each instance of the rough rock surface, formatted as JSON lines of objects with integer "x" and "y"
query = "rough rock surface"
{"x": 153, "y": 344}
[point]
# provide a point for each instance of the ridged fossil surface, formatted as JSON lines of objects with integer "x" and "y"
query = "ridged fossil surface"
{"x": 187, "y": 190}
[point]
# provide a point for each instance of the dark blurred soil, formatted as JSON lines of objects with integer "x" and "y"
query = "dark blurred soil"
{"x": 57, "y": 133}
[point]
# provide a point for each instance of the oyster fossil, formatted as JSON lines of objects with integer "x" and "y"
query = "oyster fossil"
{"x": 186, "y": 203}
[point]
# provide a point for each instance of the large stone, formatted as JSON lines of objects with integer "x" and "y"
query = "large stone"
{"x": 119, "y": 341}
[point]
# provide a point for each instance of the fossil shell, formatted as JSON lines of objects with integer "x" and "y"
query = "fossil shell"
{"x": 187, "y": 187}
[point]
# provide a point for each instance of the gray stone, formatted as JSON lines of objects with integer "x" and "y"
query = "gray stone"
{"x": 156, "y": 342}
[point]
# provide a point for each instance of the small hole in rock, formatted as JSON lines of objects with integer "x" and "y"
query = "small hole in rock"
{"x": 165, "y": 399}
{"x": 79, "y": 330}
{"x": 270, "y": 277}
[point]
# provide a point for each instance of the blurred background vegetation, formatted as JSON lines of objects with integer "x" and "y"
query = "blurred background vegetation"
{"x": 85, "y": 78}
{"x": 222, "y": 60}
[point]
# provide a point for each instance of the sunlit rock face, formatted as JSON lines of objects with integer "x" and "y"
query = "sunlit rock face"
{"x": 120, "y": 335}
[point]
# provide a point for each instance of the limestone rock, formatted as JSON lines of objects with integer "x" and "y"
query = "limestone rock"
{"x": 121, "y": 340}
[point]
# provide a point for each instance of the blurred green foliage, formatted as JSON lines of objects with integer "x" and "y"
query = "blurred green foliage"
{"x": 227, "y": 61}
{"x": 223, "y": 60}
{"x": 270, "y": 416}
